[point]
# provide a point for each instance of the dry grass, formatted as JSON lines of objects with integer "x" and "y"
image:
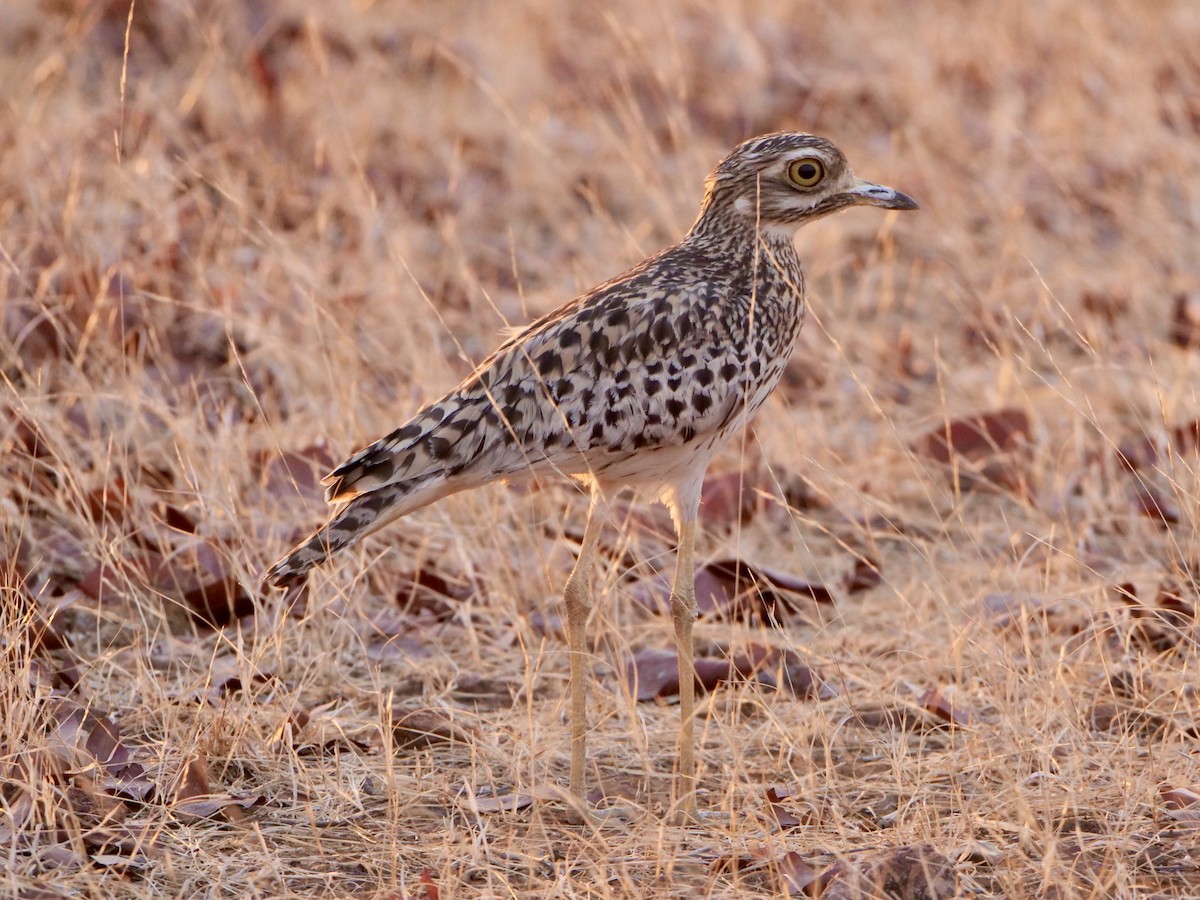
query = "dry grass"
{"x": 290, "y": 221}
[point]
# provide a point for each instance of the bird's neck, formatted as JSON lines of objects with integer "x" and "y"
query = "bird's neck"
{"x": 723, "y": 232}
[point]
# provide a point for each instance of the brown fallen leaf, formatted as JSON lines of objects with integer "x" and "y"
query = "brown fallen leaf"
{"x": 427, "y": 727}
{"x": 504, "y": 803}
{"x": 198, "y": 579}
{"x": 517, "y": 800}
{"x": 940, "y": 703}
{"x": 1181, "y": 803}
{"x": 193, "y": 798}
{"x": 780, "y": 668}
{"x": 214, "y": 596}
{"x": 130, "y": 782}
{"x": 729, "y": 498}
{"x": 1166, "y": 625}
{"x": 193, "y": 780}
{"x": 429, "y": 888}
{"x": 914, "y": 872}
{"x": 1007, "y": 610}
{"x": 1107, "y": 306}
{"x": 756, "y": 858}
{"x": 229, "y": 674}
{"x": 290, "y": 472}
{"x": 1170, "y": 604}
{"x": 976, "y": 437}
{"x": 653, "y": 673}
{"x": 1155, "y": 504}
{"x": 488, "y": 693}
{"x": 47, "y": 643}
{"x": 786, "y": 819}
{"x": 1153, "y": 451}
{"x": 986, "y": 448}
{"x": 24, "y": 436}
{"x": 741, "y": 591}
{"x": 141, "y": 514}
{"x": 1185, "y": 320}
{"x": 895, "y": 717}
{"x": 799, "y": 874}
{"x": 206, "y": 807}
{"x": 325, "y": 736}
{"x": 426, "y": 590}
{"x": 94, "y": 735}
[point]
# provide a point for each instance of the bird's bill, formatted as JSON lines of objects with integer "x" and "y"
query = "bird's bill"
{"x": 867, "y": 193}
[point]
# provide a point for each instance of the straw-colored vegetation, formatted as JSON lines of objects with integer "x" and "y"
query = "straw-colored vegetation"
{"x": 239, "y": 240}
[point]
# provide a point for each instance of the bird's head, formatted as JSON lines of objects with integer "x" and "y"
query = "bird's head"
{"x": 778, "y": 182}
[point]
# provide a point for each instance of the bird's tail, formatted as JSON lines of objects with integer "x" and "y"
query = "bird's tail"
{"x": 361, "y": 516}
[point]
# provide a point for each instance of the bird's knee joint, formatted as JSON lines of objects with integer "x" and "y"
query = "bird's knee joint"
{"x": 683, "y": 609}
{"x": 577, "y": 597}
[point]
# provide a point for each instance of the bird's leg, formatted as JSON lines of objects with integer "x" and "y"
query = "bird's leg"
{"x": 578, "y": 598}
{"x": 683, "y": 611}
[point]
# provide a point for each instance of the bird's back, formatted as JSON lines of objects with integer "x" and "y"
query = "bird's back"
{"x": 673, "y": 353}
{"x": 629, "y": 384}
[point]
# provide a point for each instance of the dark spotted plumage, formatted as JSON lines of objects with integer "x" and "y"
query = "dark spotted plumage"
{"x": 637, "y": 382}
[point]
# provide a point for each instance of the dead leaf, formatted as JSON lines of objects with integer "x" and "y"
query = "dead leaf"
{"x": 429, "y": 889}
{"x": 94, "y": 735}
{"x": 741, "y": 591}
{"x": 1155, "y": 504}
{"x": 897, "y": 717}
{"x": 1108, "y": 306}
{"x": 193, "y": 799}
{"x": 518, "y": 800}
{"x": 426, "y": 590}
{"x": 1181, "y": 803}
{"x": 226, "y": 676}
{"x": 976, "y": 437}
{"x": 198, "y": 579}
{"x": 729, "y": 498}
{"x": 1152, "y": 450}
{"x": 915, "y": 872}
{"x": 129, "y": 782}
{"x": 504, "y": 803}
{"x": 654, "y": 673}
{"x": 940, "y": 703}
{"x": 206, "y": 807}
{"x": 784, "y": 817}
{"x": 427, "y": 727}
{"x": 781, "y": 668}
{"x": 1185, "y": 320}
{"x": 214, "y": 596}
{"x": 800, "y": 875}
{"x": 985, "y": 448}
{"x": 1170, "y": 622}
{"x": 193, "y": 780}
{"x": 489, "y": 693}
{"x": 47, "y": 643}
{"x": 1006, "y": 610}
{"x": 1180, "y": 797}
{"x": 290, "y": 472}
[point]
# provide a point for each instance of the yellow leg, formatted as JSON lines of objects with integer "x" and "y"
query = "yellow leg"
{"x": 578, "y": 597}
{"x": 683, "y": 611}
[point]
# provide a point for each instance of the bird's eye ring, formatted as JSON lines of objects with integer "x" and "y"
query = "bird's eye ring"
{"x": 806, "y": 172}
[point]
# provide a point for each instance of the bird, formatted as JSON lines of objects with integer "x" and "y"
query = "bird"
{"x": 636, "y": 383}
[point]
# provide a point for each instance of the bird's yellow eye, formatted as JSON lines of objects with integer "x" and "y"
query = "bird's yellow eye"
{"x": 806, "y": 172}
